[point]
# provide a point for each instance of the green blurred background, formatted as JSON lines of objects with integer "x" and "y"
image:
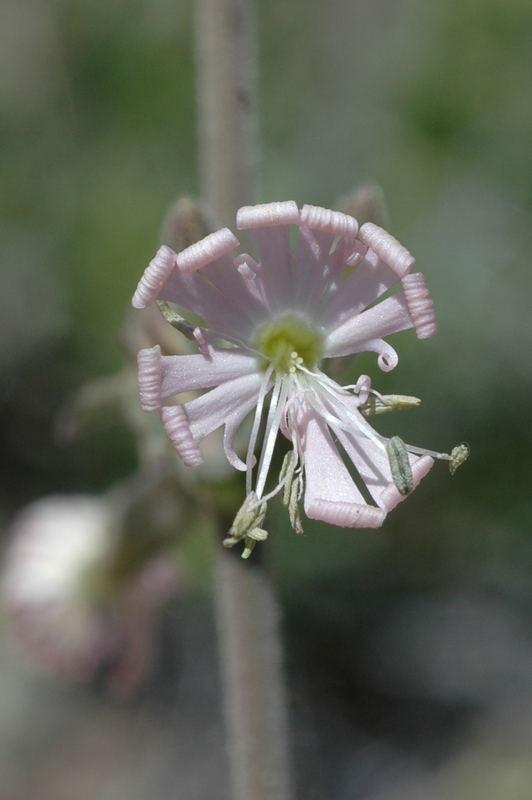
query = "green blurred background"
{"x": 432, "y": 99}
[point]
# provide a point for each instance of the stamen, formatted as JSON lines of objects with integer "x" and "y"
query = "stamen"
{"x": 357, "y": 421}
{"x": 400, "y": 465}
{"x": 272, "y": 429}
{"x": 263, "y": 391}
{"x": 459, "y": 454}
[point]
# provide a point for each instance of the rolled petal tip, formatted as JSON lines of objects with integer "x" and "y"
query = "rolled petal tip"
{"x": 267, "y": 215}
{"x": 345, "y": 515}
{"x": 388, "y": 248}
{"x": 149, "y": 378}
{"x": 420, "y": 305}
{"x": 204, "y": 252}
{"x": 156, "y": 274}
{"x": 323, "y": 219}
{"x": 175, "y": 424}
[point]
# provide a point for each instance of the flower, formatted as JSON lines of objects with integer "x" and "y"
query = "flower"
{"x": 62, "y": 610}
{"x": 270, "y": 324}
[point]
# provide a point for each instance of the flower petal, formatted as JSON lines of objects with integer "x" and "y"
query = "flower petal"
{"x": 315, "y": 266}
{"x": 330, "y": 493}
{"x": 388, "y": 248}
{"x": 391, "y": 496}
{"x": 420, "y": 305}
{"x": 189, "y": 373}
{"x": 149, "y": 378}
{"x": 348, "y": 297}
{"x": 197, "y": 294}
{"x": 354, "y": 335}
{"x": 155, "y": 276}
{"x": 177, "y": 429}
{"x": 206, "y": 251}
{"x": 270, "y": 225}
{"x": 188, "y": 424}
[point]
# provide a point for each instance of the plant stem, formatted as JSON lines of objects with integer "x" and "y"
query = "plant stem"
{"x": 252, "y": 679}
{"x": 226, "y": 60}
{"x": 246, "y": 611}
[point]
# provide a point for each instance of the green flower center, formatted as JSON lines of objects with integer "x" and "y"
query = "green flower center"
{"x": 289, "y": 342}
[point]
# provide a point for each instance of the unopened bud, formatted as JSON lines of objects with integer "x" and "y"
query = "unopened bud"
{"x": 186, "y": 222}
{"x": 367, "y": 204}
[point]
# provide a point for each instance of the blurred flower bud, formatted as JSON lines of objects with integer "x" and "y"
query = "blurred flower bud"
{"x": 64, "y": 611}
{"x": 366, "y": 203}
{"x": 187, "y": 221}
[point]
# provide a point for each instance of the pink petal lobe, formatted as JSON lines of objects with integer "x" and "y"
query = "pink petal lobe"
{"x": 388, "y": 248}
{"x": 177, "y": 429}
{"x": 355, "y": 334}
{"x": 323, "y": 219}
{"x": 155, "y": 276}
{"x": 330, "y": 493}
{"x": 367, "y": 283}
{"x": 420, "y": 305}
{"x": 222, "y": 405}
{"x": 267, "y": 215}
{"x": 206, "y": 250}
{"x": 188, "y": 373}
{"x": 315, "y": 266}
{"x": 270, "y": 224}
{"x": 391, "y": 496}
{"x": 149, "y": 378}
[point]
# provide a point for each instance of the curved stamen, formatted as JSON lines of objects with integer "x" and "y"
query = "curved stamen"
{"x": 263, "y": 391}
{"x": 272, "y": 429}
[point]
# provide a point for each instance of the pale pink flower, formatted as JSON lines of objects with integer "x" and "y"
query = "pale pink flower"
{"x": 270, "y": 324}
{"x": 61, "y": 611}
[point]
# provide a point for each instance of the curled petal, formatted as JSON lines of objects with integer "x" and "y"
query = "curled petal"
{"x": 387, "y": 358}
{"x": 420, "y": 305}
{"x": 204, "y": 252}
{"x": 149, "y": 378}
{"x": 388, "y": 248}
{"x": 323, "y": 219}
{"x": 177, "y": 429}
{"x": 355, "y": 252}
{"x": 267, "y": 215}
{"x": 155, "y": 276}
{"x": 391, "y": 496}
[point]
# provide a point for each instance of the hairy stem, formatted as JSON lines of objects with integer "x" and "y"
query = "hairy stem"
{"x": 246, "y": 610}
{"x": 227, "y": 104}
{"x": 254, "y": 696}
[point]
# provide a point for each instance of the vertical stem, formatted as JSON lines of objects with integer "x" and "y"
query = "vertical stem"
{"x": 246, "y": 610}
{"x": 252, "y": 677}
{"x": 226, "y": 57}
